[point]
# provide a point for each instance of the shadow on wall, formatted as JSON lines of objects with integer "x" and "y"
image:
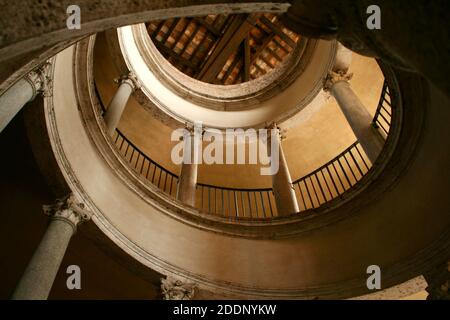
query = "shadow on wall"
{"x": 23, "y": 191}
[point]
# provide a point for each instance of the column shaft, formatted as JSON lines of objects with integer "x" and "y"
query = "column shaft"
{"x": 285, "y": 197}
{"x": 41, "y": 271}
{"x": 358, "y": 118}
{"x": 13, "y": 100}
{"x": 117, "y": 105}
{"x": 187, "y": 181}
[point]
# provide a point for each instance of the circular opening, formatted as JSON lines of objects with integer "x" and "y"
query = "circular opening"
{"x": 178, "y": 98}
{"x": 224, "y": 49}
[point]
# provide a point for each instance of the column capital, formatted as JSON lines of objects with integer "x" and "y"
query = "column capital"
{"x": 282, "y": 133}
{"x": 69, "y": 210}
{"x": 177, "y": 289}
{"x": 40, "y": 80}
{"x": 336, "y": 76}
{"x": 191, "y": 129}
{"x": 131, "y": 79}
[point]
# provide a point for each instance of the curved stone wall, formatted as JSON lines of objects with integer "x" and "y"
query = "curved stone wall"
{"x": 408, "y": 193}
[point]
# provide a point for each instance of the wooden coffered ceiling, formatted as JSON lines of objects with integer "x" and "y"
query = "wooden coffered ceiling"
{"x": 224, "y": 49}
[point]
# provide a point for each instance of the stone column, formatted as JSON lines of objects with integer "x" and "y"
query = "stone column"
{"x": 359, "y": 119}
{"x": 41, "y": 271}
{"x": 176, "y": 289}
{"x": 187, "y": 182}
{"x": 438, "y": 280}
{"x": 127, "y": 84}
{"x": 283, "y": 190}
{"x": 20, "y": 93}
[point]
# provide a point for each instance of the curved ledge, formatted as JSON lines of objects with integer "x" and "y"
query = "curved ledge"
{"x": 242, "y": 96}
{"x": 185, "y": 106}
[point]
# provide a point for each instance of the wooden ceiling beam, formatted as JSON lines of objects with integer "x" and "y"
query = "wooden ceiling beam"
{"x": 191, "y": 37}
{"x": 261, "y": 70}
{"x": 261, "y": 48}
{"x": 169, "y": 52}
{"x": 274, "y": 54}
{"x": 267, "y": 61}
{"x": 231, "y": 47}
{"x": 277, "y": 30}
{"x": 230, "y": 41}
{"x": 158, "y": 28}
{"x": 247, "y": 59}
{"x": 169, "y": 32}
{"x": 236, "y": 60}
{"x": 200, "y": 46}
{"x": 180, "y": 35}
{"x": 209, "y": 27}
{"x": 281, "y": 46}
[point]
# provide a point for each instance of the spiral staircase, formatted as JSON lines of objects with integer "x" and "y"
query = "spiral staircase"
{"x": 362, "y": 176}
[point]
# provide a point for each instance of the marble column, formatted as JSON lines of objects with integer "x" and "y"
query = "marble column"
{"x": 283, "y": 190}
{"x": 41, "y": 271}
{"x": 187, "y": 181}
{"x": 438, "y": 280}
{"x": 127, "y": 84}
{"x": 176, "y": 289}
{"x": 20, "y": 93}
{"x": 359, "y": 119}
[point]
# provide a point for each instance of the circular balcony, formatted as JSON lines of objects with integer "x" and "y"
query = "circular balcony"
{"x": 315, "y": 190}
{"x": 331, "y": 183}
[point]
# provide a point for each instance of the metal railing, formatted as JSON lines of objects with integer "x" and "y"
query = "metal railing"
{"x": 320, "y": 186}
{"x": 313, "y": 190}
{"x": 324, "y": 184}
{"x": 383, "y": 115}
{"x": 152, "y": 171}
{"x": 332, "y": 179}
{"x": 236, "y": 202}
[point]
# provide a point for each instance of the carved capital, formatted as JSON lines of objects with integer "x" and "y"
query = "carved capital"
{"x": 189, "y": 127}
{"x": 40, "y": 80}
{"x": 282, "y": 133}
{"x": 192, "y": 130}
{"x": 176, "y": 289}
{"x": 334, "y": 77}
{"x": 438, "y": 282}
{"x": 69, "y": 210}
{"x": 130, "y": 79}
